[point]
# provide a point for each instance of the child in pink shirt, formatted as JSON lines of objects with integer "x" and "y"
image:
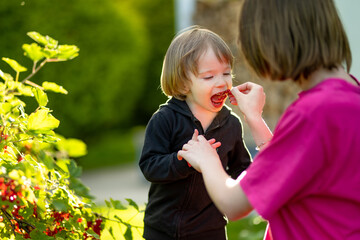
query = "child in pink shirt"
{"x": 306, "y": 182}
{"x": 306, "y": 178}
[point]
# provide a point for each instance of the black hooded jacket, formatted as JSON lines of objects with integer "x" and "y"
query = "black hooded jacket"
{"x": 179, "y": 205}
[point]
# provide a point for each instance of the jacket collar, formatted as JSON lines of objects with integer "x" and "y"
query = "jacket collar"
{"x": 182, "y": 107}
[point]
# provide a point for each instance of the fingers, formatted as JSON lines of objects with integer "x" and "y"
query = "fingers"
{"x": 232, "y": 99}
{"x": 195, "y": 134}
{"x": 179, "y": 156}
{"x": 193, "y": 143}
{"x": 245, "y": 87}
{"x": 214, "y": 144}
{"x": 193, "y": 138}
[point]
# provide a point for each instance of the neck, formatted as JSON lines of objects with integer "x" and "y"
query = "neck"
{"x": 204, "y": 116}
{"x": 322, "y": 74}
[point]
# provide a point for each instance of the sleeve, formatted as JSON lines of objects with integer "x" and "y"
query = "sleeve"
{"x": 157, "y": 162}
{"x": 239, "y": 157}
{"x": 281, "y": 172}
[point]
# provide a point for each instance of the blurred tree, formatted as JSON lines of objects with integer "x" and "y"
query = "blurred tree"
{"x": 160, "y": 23}
{"x": 106, "y": 81}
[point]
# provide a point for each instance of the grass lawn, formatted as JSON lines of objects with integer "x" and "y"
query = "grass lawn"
{"x": 250, "y": 228}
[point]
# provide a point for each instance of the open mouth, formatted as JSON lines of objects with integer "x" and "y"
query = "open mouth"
{"x": 218, "y": 98}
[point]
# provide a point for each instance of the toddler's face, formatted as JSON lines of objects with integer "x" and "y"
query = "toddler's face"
{"x": 213, "y": 77}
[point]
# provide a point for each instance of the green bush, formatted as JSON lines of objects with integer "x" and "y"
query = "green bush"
{"x": 41, "y": 195}
{"x": 159, "y": 15}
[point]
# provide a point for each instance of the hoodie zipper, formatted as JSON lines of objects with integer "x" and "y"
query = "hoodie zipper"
{"x": 184, "y": 207}
{"x": 191, "y": 185}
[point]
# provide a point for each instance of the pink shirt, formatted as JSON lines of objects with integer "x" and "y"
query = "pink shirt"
{"x": 306, "y": 182}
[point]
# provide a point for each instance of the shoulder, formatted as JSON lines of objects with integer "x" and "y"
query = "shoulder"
{"x": 327, "y": 100}
{"x": 227, "y": 114}
{"x": 163, "y": 115}
{"x": 234, "y": 119}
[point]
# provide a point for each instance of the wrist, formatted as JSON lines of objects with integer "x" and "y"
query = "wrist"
{"x": 261, "y": 133}
{"x": 211, "y": 165}
{"x": 254, "y": 119}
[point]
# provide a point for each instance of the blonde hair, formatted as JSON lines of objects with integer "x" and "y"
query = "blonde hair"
{"x": 182, "y": 57}
{"x": 284, "y": 39}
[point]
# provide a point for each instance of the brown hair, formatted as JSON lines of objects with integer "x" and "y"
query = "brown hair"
{"x": 182, "y": 56}
{"x": 283, "y": 39}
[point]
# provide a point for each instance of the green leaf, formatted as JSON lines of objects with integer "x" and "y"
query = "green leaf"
{"x": 41, "y": 203}
{"x": 25, "y": 90}
{"x": 14, "y": 65}
{"x": 14, "y": 174}
{"x": 75, "y": 171}
{"x": 132, "y": 203}
{"x": 80, "y": 189}
{"x": 33, "y": 51}
{"x": 44, "y": 40}
{"x": 60, "y": 205}
{"x": 117, "y": 204}
{"x": 40, "y": 97}
{"x": 128, "y": 233}
{"x": 5, "y": 108}
{"x": 6, "y": 76}
{"x": 50, "y": 53}
{"x": 108, "y": 204}
{"x": 62, "y": 166}
{"x": 92, "y": 233}
{"x": 74, "y": 147}
{"x": 49, "y": 137}
{"x": 54, "y": 87}
{"x": 42, "y": 121}
{"x": 111, "y": 231}
{"x": 67, "y": 52}
{"x": 46, "y": 160}
{"x": 36, "y": 234}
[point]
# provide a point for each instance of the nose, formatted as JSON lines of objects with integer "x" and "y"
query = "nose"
{"x": 223, "y": 81}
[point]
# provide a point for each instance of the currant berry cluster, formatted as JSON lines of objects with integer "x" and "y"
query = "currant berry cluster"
{"x": 11, "y": 207}
{"x": 95, "y": 226}
{"x": 9, "y": 191}
{"x": 59, "y": 218}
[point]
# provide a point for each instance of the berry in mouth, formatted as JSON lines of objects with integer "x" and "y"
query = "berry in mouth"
{"x": 218, "y": 98}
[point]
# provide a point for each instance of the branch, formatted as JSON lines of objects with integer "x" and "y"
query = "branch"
{"x": 27, "y": 227}
{"x": 32, "y": 84}
{"x": 35, "y": 70}
{"x": 8, "y": 217}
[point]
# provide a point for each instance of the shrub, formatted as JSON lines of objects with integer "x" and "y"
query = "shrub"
{"x": 41, "y": 195}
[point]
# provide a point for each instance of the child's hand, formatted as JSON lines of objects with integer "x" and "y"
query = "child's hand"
{"x": 250, "y": 98}
{"x": 212, "y": 142}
